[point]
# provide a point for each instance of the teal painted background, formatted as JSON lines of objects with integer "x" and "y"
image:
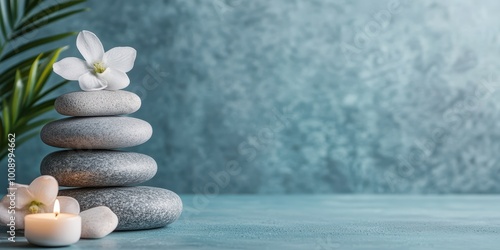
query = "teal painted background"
{"x": 309, "y": 96}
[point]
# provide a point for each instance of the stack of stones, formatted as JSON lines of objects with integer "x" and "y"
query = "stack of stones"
{"x": 101, "y": 174}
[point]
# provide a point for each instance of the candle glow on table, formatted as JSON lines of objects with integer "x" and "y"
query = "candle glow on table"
{"x": 52, "y": 229}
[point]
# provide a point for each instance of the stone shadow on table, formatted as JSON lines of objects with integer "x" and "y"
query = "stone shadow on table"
{"x": 21, "y": 245}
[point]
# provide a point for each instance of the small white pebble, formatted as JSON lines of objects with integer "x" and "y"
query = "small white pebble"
{"x": 98, "y": 222}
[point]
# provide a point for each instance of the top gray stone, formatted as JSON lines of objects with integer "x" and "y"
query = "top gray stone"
{"x": 97, "y": 103}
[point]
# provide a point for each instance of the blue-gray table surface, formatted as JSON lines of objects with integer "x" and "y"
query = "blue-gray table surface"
{"x": 316, "y": 222}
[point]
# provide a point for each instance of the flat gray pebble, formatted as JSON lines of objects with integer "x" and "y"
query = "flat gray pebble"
{"x": 97, "y": 103}
{"x": 107, "y": 132}
{"x": 98, "y": 168}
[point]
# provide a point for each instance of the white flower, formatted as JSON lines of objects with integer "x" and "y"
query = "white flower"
{"x": 38, "y": 197}
{"x": 99, "y": 70}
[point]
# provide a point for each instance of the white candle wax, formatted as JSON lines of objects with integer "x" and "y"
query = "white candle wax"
{"x": 52, "y": 229}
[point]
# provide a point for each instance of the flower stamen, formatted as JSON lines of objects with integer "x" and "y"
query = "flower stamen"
{"x": 35, "y": 207}
{"x": 99, "y": 67}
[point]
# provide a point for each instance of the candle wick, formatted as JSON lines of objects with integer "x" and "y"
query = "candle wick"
{"x": 57, "y": 214}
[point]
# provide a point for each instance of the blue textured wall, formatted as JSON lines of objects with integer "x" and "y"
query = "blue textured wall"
{"x": 310, "y": 96}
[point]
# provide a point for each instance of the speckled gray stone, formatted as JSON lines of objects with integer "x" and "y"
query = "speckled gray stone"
{"x": 98, "y": 168}
{"x": 97, "y": 103}
{"x": 136, "y": 207}
{"x": 96, "y": 132}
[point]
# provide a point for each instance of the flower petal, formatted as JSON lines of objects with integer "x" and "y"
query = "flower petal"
{"x": 90, "y": 82}
{"x": 20, "y": 219}
{"x": 90, "y": 47}
{"x": 23, "y": 197}
{"x": 68, "y": 205}
{"x": 44, "y": 189}
{"x": 17, "y": 185}
{"x": 71, "y": 68}
{"x": 5, "y": 215}
{"x": 120, "y": 58}
{"x": 115, "y": 79}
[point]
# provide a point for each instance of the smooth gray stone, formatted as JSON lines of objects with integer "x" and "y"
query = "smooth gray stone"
{"x": 97, "y": 103}
{"x": 136, "y": 207}
{"x": 96, "y": 132}
{"x": 98, "y": 168}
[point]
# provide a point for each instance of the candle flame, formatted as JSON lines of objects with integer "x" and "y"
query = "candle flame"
{"x": 57, "y": 208}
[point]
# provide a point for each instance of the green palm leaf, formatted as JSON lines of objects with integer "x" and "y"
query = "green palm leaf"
{"x": 22, "y": 66}
{"x": 41, "y": 16}
{"x": 21, "y": 112}
{"x": 30, "y": 5}
{"x": 36, "y": 43}
{"x": 33, "y": 26}
{"x": 24, "y": 72}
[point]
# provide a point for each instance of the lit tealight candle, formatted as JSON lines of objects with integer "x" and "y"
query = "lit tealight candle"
{"x": 52, "y": 229}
